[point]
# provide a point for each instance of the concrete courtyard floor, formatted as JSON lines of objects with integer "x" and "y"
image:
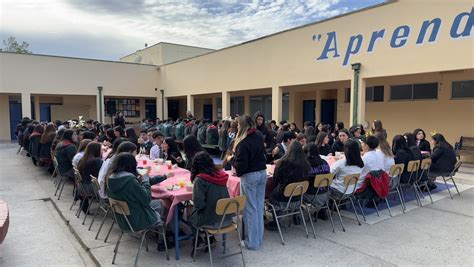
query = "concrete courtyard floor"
{"x": 44, "y": 232}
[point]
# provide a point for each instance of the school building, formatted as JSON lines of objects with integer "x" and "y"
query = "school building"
{"x": 408, "y": 63}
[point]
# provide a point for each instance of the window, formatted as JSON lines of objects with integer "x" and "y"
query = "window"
{"x": 374, "y": 93}
{"x": 347, "y": 95}
{"x": 462, "y": 89}
{"x": 129, "y": 107}
{"x": 263, "y": 104}
{"x": 236, "y": 105}
{"x": 414, "y": 91}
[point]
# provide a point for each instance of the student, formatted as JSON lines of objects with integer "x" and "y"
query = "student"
{"x": 223, "y": 137}
{"x": 35, "y": 143}
{"x": 106, "y": 165}
{"x": 384, "y": 152}
{"x": 191, "y": 147}
{"x": 317, "y": 166}
{"x": 377, "y": 127}
{"x": 282, "y": 147}
{"x": 338, "y": 146}
{"x": 80, "y": 151}
{"x": 210, "y": 185}
{"x": 293, "y": 167}
{"x": 318, "y": 128}
{"x": 302, "y": 139}
{"x": 337, "y": 127}
{"x": 249, "y": 163}
{"x": 119, "y": 121}
{"x": 89, "y": 165}
{"x": 110, "y": 135}
{"x": 322, "y": 142}
{"x": 119, "y": 132}
{"x": 403, "y": 155}
{"x": 145, "y": 143}
{"x": 421, "y": 140}
{"x": 308, "y": 129}
{"x": 131, "y": 135}
{"x": 202, "y": 130}
{"x": 89, "y": 125}
{"x": 351, "y": 164}
{"x": 266, "y": 133}
{"x": 46, "y": 141}
{"x": 411, "y": 143}
{"x": 371, "y": 161}
{"x": 294, "y": 129}
{"x": 285, "y": 127}
{"x": 65, "y": 151}
{"x": 443, "y": 159}
{"x": 89, "y": 135}
{"x": 171, "y": 152}
{"x": 125, "y": 184}
{"x": 156, "y": 152}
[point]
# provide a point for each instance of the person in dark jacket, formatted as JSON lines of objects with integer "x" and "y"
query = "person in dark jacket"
{"x": 35, "y": 143}
{"x": 210, "y": 185}
{"x": 26, "y": 136}
{"x": 443, "y": 159}
{"x": 195, "y": 128}
{"x": 223, "y": 137}
{"x": 249, "y": 163}
{"x": 322, "y": 142}
{"x": 266, "y": 133}
{"x": 46, "y": 141}
{"x": 421, "y": 140}
{"x": 65, "y": 151}
{"x": 212, "y": 134}
{"x": 338, "y": 146}
{"x": 403, "y": 155}
{"x": 131, "y": 135}
{"x": 308, "y": 129}
{"x": 171, "y": 152}
{"x": 281, "y": 149}
{"x": 191, "y": 147}
{"x": 89, "y": 165}
{"x": 378, "y": 128}
{"x": 119, "y": 120}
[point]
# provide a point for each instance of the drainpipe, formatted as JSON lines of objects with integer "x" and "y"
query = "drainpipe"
{"x": 355, "y": 106}
{"x": 101, "y": 108}
{"x": 162, "y": 91}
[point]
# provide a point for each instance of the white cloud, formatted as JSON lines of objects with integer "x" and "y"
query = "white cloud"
{"x": 213, "y": 24}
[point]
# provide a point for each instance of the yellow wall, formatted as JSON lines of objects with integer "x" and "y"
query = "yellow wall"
{"x": 4, "y": 117}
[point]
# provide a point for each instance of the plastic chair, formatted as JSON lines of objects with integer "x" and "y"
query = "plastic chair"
{"x": 121, "y": 208}
{"x": 104, "y": 207}
{"x": 349, "y": 181}
{"x": 395, "y": 173}
{"x": 224, "y": 207}
{"x": 61, "y": 180}
{"x": 425, "y": 169}
{"x": 450, "y": 176}
{"x": 291, "y": 208}
{"x": 321, "y": 182}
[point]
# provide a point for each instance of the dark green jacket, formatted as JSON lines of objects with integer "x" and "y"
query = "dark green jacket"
{"x": 125, "y": 186}
{"x": 64, "y": 155}
{"x": 205, "y": 197}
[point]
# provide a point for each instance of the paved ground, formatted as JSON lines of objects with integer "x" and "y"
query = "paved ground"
{"x": 45, "y": 232}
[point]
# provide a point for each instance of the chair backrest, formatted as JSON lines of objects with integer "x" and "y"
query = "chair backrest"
{"x": 396, "y": 170}
{"x": 425, "y": 164}
{"x": 323, "y": 180}
{"x": 456, "y": 167}
{"x": 413, "y": 166}
{"x": 77, "y": 175}
{"x": 233, "y": 205}
{"x": 351, "y": 179}
{"x": 119, "y": 206}
{"x": 296, "y": 189}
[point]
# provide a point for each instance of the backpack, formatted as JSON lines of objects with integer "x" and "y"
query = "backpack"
{"x": 201, "y": 134}
{"x": 180, "y": 131}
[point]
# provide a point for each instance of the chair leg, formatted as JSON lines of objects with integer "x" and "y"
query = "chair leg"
{"x": 62, "y": 187}
{"x": 87, "y": 211}
{"x": 240, "y": 245}
{"x": 402, "y": 204}
{"x": 140, "y": 248}
{"x": 355, "y": 211}
{"x": 73, "y": 203}
{"x": 455, "y": 186}
{"x": 388, "y": 207}
{"x": 110, "y": 230}
{"x": 447, "y": 187}
{"x": 102, "y": 224}
{"x": 210, "y": 249}
{"x": 332, "y": 221}
{"x": 278, "y": 226}
{"x": 224, "y": 237}
{"x": 116, "y": 247}
{"x": 429, "y": 192}
{"x": 361, "y": 210}
{"x": 339, "y": 214}
{"x": 163, "y": 233}
{"x": 376, "y": 208}
{"x": 304, "y": 222}
{"x": 311, "y": 221}
{"x": 58, "y": 185}
{"x": 95, "y": 215}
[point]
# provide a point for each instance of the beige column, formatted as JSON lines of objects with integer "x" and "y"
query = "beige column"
{"x": 225, "y": 104}
{"x": 160, "y": 106}
{"x": 277, "y": 103}
{"x": 4, "y": 117}
{"x": 36, "y": 101}
{"x": 100, "y": 104}
{"x": 26, "y": 104}
{"x": 357, "y": 108}
{"x": 214, "y": 107}
{"x": 190, "y": 104}
{"x": 247, "y": 104}
{"x": 291, "y": 107}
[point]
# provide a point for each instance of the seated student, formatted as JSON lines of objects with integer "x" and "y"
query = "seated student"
{"x": 384, "y": 152}
{"x": 294, "y": 129}
{"x": 291, "y": 168}
{"x": 338, "y": 146}
{"x": 282, "y": 148}
{"x": 171, "y": 152}
{"x": 411, "y": 143}
{"x": 229, "y": 154}
{"x": 191, "y": 147}
{"x": 421, "y": 140}
{"x": 377, "y": 127}
{"x": 285, "y": 127}
{"x": 308, "y": 129}
{"x": 371, "y": 161}
{"x": 145, "y": 143}
{"x": 80, "y": 151}
{"x": 317, "y": 166}
{"x": 443, "y": 159}
{"x": 403, "y": 155}
{"x": 102, "y": 136}
{"x": 322, "y": 142}
{"x": 89, "y": 135}
{"x": 210, "y": 185}
{"x": 351, "y": 164}
{"x": 156, "y": 152}
{"x": 89, "y": 165}
{"x": 35, "y": 144}
{"x": 106, "y": 165}
{"x": 212, "y": 134}
{"x": 302, "y": 138}
{"x": 110, "y": 135}
{"x": 131, "y": 135}
{"x": 201, "y": 134}
{"x": 119, "y": 132}
{"x": 125, "y": 184}
{"x": 65, "y": 151}
{"x": 46, "y": 141}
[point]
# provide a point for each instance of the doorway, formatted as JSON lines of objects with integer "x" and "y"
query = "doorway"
{"x": 309, "y": 113}
{"x": 207, "y": 111}
{"x": 173, "y": 109}
{"x": 15, "y": 117}
{"x": 150, "y": 109}
{"x": 45, "y": 112}
{"x": 328, "y": 111}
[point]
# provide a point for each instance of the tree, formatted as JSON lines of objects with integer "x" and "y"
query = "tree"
{"x": 12, "y": 45}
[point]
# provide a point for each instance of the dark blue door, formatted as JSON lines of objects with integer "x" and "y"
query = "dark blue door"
{"x": 150, "y": 109}
{"x": 15, "y": 117}
{"x": 309, "y": 111}
{"x": 45, "y": 112}
{"x": 173, "y": 109}
{"x": 207, "y": 112}
{"x": 328, "y": 111}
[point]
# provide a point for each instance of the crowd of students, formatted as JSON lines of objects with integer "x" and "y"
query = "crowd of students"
{"x": 247, "y": 143}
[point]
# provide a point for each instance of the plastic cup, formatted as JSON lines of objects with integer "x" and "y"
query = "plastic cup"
{"x": 144, "y": 162}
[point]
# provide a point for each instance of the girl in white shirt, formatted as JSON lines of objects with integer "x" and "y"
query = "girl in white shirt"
{"x": 351, "y": 164}
{"x": 384, "y": 152}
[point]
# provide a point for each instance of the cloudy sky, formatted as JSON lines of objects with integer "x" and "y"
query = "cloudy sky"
{"x": 109, "y": 29}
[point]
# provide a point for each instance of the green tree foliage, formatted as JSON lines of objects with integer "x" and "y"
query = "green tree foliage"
{"x": 12, "y": 45}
